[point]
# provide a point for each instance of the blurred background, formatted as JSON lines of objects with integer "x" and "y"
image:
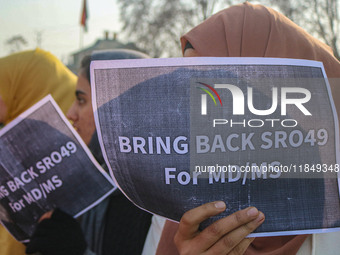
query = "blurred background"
{"x": 71, "y": 29}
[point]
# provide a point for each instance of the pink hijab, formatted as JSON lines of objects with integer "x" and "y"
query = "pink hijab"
{"x": 248, "y": 30}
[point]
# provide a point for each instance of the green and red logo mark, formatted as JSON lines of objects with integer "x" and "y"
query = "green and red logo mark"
{"x": 204, "y": 97}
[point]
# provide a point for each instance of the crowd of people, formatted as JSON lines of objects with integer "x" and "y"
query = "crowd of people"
{"x": 116, "y": 226}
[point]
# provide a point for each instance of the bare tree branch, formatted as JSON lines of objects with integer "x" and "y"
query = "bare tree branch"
{"x": 156, "y": 25}
{"x": 16, "y": 42}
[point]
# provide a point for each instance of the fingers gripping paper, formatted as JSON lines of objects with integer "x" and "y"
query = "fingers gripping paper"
{"x": 177, "y": 133}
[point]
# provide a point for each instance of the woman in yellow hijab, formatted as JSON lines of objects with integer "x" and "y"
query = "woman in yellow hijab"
{"x": 25, "y": 78}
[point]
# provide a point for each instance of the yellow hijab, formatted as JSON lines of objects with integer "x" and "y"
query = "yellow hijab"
{"x": 25, "y": 78}
{"x": 28, "y": 76}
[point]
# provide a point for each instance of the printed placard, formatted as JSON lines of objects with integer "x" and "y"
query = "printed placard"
{"x": 44, "y": 164}
{"x": 177, "y": 133}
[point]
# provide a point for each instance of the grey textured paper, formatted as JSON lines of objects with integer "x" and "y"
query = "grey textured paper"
{"x": 44, "y": 165}
{"x": 150, "y": 116}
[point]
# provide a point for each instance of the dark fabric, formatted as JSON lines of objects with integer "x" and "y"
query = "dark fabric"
{"x": 188, "y": 46}
{"x": 126, "y": 227}
{"x": 93, "y": 225}
{"x": 96, "y": 151}
{"x": 60, "y": 234}
{"x": 115, "y": 226}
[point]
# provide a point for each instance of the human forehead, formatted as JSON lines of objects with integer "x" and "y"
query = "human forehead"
{"x": 190, "y": 52}
{"x": 83, "y": 84}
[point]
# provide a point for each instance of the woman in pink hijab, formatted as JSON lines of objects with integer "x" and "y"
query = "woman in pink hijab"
{"x": 247, "y": 30}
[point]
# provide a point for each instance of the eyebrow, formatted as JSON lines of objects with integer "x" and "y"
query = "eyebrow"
{"x": 79, "y": 92}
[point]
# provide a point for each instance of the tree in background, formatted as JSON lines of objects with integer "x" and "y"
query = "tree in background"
{"x": 16, "y": 42}
{"x": 319, "y": 17}
{"x": 156, "y": 25}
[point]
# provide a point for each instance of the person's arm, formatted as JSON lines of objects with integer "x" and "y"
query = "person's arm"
{"x": 225, "y": 236}
{"x": 57, "y": 233}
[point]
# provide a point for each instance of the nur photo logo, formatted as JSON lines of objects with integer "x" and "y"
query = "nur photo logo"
{"x": 244, "y": 102}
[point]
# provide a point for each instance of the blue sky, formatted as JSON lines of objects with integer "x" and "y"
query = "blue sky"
{"x": 58, "y": 21}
